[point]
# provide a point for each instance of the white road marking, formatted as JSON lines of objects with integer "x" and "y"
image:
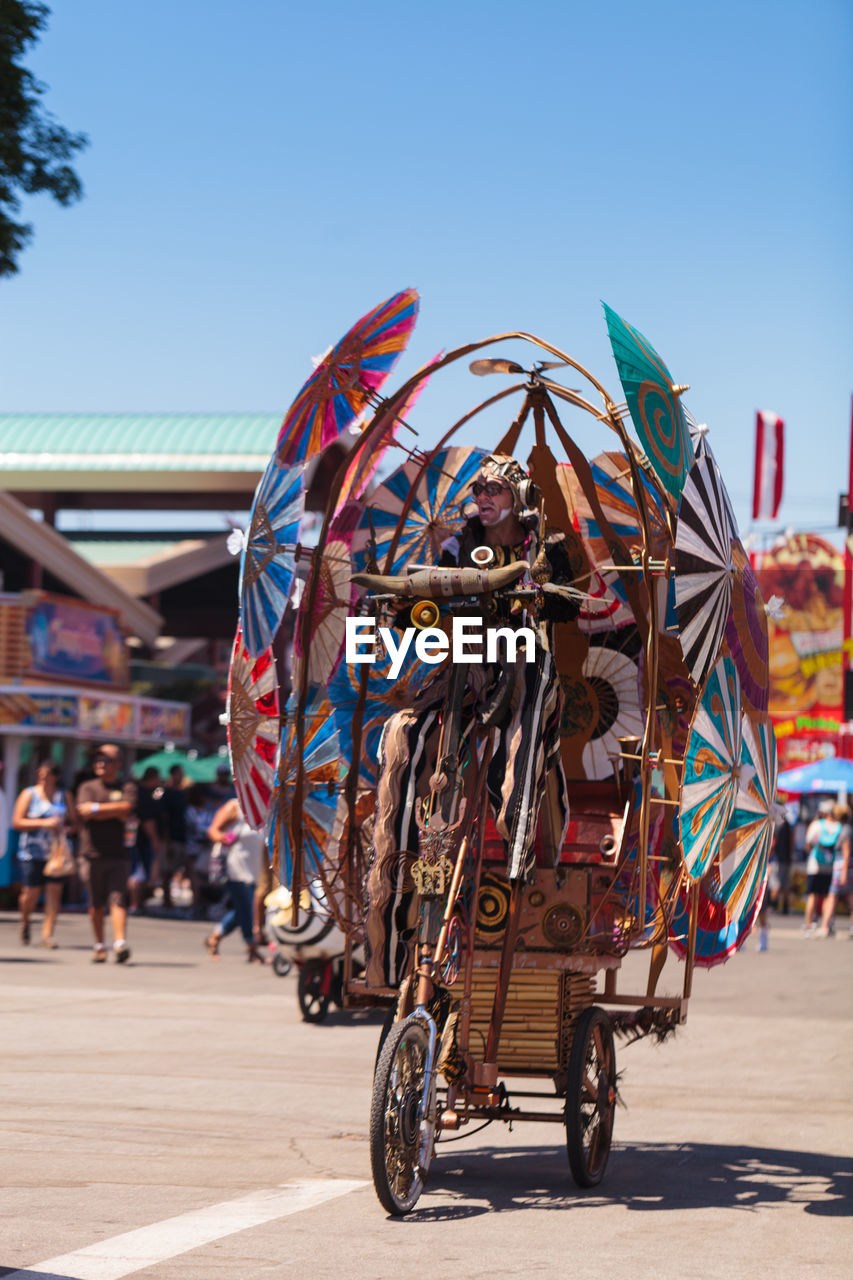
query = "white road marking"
{"x": 135, "y": 1250}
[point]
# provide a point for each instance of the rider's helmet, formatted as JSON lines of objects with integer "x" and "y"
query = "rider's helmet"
{"x": 525, "y": 494}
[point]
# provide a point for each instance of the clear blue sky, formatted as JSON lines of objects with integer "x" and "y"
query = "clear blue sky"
{"x": 261, "y": 174}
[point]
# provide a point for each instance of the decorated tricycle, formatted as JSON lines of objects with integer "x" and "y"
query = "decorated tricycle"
{"x": 527, "y": 730}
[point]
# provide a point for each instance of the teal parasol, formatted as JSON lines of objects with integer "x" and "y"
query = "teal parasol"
{"x": 711, "y": 761}
{"x": 746, "y": 844}
{"x": 652, "y": 401}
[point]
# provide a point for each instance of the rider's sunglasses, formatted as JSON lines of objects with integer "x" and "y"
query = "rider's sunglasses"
{"x": 491, "y": 488}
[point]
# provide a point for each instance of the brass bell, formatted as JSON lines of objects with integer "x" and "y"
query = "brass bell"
{"x": 425, "y": 614}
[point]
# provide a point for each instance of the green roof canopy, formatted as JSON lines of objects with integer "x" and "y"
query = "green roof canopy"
{"x": 133, "y": 441}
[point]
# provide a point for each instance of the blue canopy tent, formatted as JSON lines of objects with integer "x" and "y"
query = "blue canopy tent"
{"x": 823, "y": 777}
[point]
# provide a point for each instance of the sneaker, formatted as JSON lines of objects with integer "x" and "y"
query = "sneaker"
{"x": 49, "y": 943}
{"x": 99, "y": 955}
{"x": 762, "y": 940}
{"x": 122, "y": 952}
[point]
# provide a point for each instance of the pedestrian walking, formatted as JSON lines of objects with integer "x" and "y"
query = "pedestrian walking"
{"x": 147, "y": 847}
{"x": 783, "y": 848}
{"x": 822, "y": 840}
{"x": 106, "y": 807}
{"x": 245, "y": 850}
{"x": 173, "y": 807}
{"x": 41, "y": 816}
{"x": 841, "y": 884}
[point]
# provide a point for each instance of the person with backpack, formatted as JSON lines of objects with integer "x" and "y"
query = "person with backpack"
{"x": 841, "y": 885}
{"x": 823, "y": 838}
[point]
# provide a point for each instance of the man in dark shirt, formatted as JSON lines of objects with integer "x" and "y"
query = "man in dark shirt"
{"x": 104, "y": 807}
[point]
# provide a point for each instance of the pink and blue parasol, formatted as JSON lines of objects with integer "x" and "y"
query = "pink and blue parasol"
{"x": 267, "y": 561}
{"x": 382, "y": 699}
{"x": 321, "y": 758}
{"x": 347, "y": 379}
{"x": 253, "y": 729}
{"x": 432, "y": 497}
{"x": 717, "y": 936}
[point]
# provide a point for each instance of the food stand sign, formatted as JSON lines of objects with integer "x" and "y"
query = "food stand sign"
{"x": 806, "y": 673}
{"x": 163, "y": 722}
{"x": 106, "y": 717}
{"x": 70, "y": 640}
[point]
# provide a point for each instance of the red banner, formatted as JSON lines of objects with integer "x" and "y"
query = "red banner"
{"x": 769, "y": 465}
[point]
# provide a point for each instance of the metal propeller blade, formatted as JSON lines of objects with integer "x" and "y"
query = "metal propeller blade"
{"x": 482, "y": 367}
{"x": 498, "y": 365}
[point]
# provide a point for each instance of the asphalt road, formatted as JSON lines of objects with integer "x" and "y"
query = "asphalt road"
{"x": 175, "y": 1120}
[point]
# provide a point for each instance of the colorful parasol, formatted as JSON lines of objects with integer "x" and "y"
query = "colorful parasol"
{"x": 438, "y": 492}
{"x": 347, "y": 378}
{"x": 613, "y": 678}
{"x": 710, "y": 779}
{"x": 746, "y": 844}
{"x": 717, "y": 937}
{"x": 608, "y": 606}
{"x": 335, "y": 598}
{"x": 746, "y": 632}
{"x": 363, "y": 466}
{"x": 652, "y": 401}
{"x": 267, "y": 561}
{"x": 253, "y": 729}
{"x": 701, "y": 449}
{"x": 615, "y": 493}
{"x": 704, "y": 567}
{"x": 322, "y": 776}
{"x": 383, "y": 698}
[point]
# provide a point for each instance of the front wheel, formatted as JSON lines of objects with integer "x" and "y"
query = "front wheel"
{"x": 590, "y": 1097}
{"x": 401, "y": 1139}
{"x": 313, "y": 990}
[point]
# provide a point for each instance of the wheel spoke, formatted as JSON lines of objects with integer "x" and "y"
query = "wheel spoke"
{"x": 589, "y": 1089}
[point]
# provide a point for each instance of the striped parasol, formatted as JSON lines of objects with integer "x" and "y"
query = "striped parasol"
{"x": 704, "y": 567}
{"x": 322, "y": 776}
{"x": 652, "y": 401}
{"x": 432, "y": 499}
{"x": 746, "y": 844}
{"x": 252, "y": 712}
{"x": 347, "y": 379}
{"x": 710, "y": 779}
{"x": 613, "y": 677}
{"x": 701, "y": 449}
{"x": 746, "y": 632}
{"x": 267, "y": 561}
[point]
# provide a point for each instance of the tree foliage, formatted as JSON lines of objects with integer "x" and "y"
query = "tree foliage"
{"x": 34, "y": 150}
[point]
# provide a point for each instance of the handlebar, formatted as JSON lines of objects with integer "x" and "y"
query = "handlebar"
{"x": 430, "y": 584}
